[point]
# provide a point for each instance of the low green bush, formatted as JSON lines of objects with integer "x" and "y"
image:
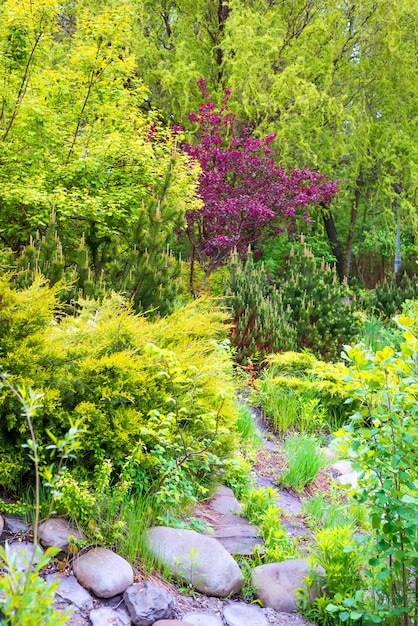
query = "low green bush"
{"x": 299, "y": 392}
{"x": 260, "y": 506}
{"x": 337, "y": 551}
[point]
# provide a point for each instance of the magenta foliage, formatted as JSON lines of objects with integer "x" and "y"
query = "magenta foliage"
{"x": 246, "y": 195}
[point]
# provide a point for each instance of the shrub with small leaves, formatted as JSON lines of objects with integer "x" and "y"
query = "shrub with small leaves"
{"x": 382, "y": 440}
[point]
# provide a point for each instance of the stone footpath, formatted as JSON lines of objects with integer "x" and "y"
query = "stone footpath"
{"x": 103, "y": 589}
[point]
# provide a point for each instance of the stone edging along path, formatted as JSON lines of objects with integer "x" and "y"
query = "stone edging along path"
{"x": 103, "y": 589}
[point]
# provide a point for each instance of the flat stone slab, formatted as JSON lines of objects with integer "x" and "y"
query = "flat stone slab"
{"x": 224, "y": 501}
{"x": 239, "y": 538}
{"x": 171, "y": 622}
{"x": 288, "y": 503}
{"x": 203, "y": 618}
{"x": 69, "y": 589}
{"x": 106, "y": 616}
{"x": 239, "y": 613}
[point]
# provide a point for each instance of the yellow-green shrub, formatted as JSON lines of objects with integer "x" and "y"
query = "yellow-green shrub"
{"x": 298, "y": 391}
{"x": 164, "y": 386}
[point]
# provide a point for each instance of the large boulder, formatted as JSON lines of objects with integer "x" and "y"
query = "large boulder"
{"x": 200, "y": 560}
{"x": 57, "y": 532}
{"x": 276, "y": 583}
{"x": 103, "y": 572}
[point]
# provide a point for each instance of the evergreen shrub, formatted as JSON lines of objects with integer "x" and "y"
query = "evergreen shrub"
{"x": 261, "y": 325}
{"x": 389, "y": 295}
{"x": 303, "y": 306}
{"x": 162, "y": 389}
{"x": 323, "y": 310}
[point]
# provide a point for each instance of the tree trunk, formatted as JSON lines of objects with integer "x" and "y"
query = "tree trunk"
{"x": 352, "y": 227}
{"x": 333, "y": 239}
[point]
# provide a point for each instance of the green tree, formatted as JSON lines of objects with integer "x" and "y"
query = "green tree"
{"x": 337, "y": 82}
{"x": 74, "y": 139}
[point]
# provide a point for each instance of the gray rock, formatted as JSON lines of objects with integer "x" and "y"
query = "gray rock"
{"x": 71, "y": 591}
{"x": 103, "y": 572}
{"x": 1, "y": 524}
{"x": 56, "y": 532}
{"x": 15, "y": 524}
{"x": 106, "y": 616}
{"x": 203, "y": 618}
{"x": 276, "y": 583}
{"x": 22, "y": 552}
{"x": 172, "y": 622}
{"x": 224, "y": 501}
{"x": 238, "y": 613}
{"x": 350, "y": 479}
{"x": 342, "y": 467}
{"x": 200, "y": 560}
{"x": 147, "y": 603}
{"x": 239, "y": 538}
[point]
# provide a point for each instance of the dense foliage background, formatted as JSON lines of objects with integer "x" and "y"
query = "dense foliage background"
{"x": 191, "y": 187}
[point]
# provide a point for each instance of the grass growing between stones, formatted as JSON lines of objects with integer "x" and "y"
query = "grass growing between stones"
{"x": 303, "y": 461}
{"x": 246, "y": 427}
{"x": 332, "y": 509}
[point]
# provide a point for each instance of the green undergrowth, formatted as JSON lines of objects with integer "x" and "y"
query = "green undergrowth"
{"x": 299, "y": 392}
{"x": 303, "y": 461}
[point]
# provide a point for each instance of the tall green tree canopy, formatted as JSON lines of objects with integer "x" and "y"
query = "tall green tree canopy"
{"x": 74, "y": 137}
{"x": 337, "y": 83}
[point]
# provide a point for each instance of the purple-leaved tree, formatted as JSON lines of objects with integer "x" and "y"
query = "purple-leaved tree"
{"x": 246, "y": 195}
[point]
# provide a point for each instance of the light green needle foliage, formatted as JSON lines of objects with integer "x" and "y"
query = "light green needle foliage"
{"x": 159, "y": 392}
